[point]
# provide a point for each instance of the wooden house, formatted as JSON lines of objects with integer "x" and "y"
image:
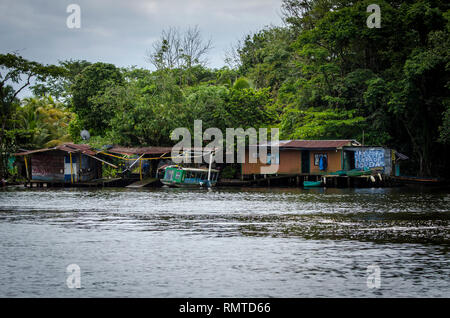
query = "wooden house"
{"x": 318, "y": 157}
{"x": 67, "y": 163}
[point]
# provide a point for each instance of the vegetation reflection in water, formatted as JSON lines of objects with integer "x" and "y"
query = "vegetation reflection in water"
{"x": 252, "y": 242}
{"x": 379, "y": 215}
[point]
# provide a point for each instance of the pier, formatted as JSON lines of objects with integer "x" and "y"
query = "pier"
{"x": 115, "y": 182}
{"x": 330, "y": 181}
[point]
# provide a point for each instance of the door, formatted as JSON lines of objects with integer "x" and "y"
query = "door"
{"x": 68, "y": 170}
{"x": 349, "y": 160}
{"x": 305, "y": 161}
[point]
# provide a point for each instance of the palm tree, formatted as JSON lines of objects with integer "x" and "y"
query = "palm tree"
{"x": 47, "y": 119}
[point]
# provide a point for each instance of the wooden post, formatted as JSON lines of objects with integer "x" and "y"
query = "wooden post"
{"x": 71, "y": 168}
{"x": 26, "y": 168}
{"x": 209, "y": 168}
{"x": 140, "y": 169}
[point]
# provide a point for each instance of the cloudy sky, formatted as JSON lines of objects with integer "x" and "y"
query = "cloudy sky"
{"x": 121, "y": 32}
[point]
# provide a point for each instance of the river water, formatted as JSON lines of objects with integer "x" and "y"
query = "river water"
{"x": 246, "y": 242}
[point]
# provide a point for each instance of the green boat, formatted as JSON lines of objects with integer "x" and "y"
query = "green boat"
{"x": 359, "y": 172}
{"x": 339, "y": 173}
{"x": 355, "y": 173}
{"x": 310, "y": 184}
{"x": 180, "y": 177}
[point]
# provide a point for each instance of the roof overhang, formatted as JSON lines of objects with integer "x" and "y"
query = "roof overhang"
{"x": 68, "y": 148}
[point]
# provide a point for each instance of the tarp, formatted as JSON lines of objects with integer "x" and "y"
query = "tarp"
{"x": 323, "y": 163}
{"x": 11, "y": 161}
{"x": 369, "y": 158}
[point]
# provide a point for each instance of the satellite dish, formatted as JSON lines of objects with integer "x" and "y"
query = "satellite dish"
{"x": 85, "y": 135}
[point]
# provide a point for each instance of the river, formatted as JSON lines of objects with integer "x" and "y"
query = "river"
{"x": 237, "y": 242}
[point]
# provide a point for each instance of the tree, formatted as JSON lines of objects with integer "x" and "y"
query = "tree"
{"x": 93, "y": 111}
{"x": 207, "y": 103}
{"x": 394, "y": 79}
{"x": 146, "y": 109}
{"x": 248, "y": 107}
{"x": 17, "y": 67}
{"x": 302, "y": 15}
{"x": 60, "y": 87}
{"x": 266, "y": 57}
{"x": 48, "y": 120}
{"x": 321, "y": 124}
{"x": 177, "y": 49}
{"x": 15, "y": 70}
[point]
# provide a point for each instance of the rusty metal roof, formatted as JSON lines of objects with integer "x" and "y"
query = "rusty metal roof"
{"x": 149, "y": 150}
{"x": 83, "y": 148}
{"x": 279, "y": 143}
{"x": 140, "y": 151}
{"x": 319, "y": 144}
{"x": 68, "y": 147}
{"x": 310, "y": 144}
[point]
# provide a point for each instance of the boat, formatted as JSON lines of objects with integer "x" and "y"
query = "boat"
{"x": 339, "y": 173}
{"x": 184, "y": 177}
{"x": 359, "y": 172}
{"x": 310, "y": 184}
{"x": 419, "y": 180}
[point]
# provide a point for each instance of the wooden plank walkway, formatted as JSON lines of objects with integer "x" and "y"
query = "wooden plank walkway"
{"x": 50, "y": 184}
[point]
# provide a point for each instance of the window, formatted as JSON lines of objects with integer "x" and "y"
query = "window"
{"x": 273, "y": 159}
{"x": 169, "y": 174}
{"x": 317, "y": 157}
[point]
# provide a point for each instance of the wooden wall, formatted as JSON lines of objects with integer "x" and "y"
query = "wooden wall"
{"x": 290, "y": 162}
{"x": 334, "y": 161}
{"x": 48, "y": 166}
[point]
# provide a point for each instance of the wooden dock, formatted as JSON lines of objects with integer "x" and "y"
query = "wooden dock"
{"x": 328, "y": 180}
{"x": 93, "y": 183}
{"x": 234, "y": 183}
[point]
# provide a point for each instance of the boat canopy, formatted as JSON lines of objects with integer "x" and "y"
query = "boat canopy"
{"x": 198, "y": 169}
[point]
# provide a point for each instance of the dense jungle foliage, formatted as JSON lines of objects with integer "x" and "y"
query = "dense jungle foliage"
{"x": 324, "y": 74}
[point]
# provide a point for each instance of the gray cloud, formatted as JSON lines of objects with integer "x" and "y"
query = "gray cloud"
{"x": 120, "y": 32}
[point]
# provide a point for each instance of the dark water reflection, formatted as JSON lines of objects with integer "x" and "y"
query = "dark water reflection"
{"x": 225, "y": 242}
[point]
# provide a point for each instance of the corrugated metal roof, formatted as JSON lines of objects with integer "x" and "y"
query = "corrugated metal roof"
{"x": 29, "y": 152}
{"x": 149, "y": 150}
{"x": 140, "y": 151}
{"x": 279, "y": 143}
{"x": 310, "y": 144}
{"x": 318, "y": 144}
{"x": 68, "y": 147}
{"x": 83, "y": 148}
